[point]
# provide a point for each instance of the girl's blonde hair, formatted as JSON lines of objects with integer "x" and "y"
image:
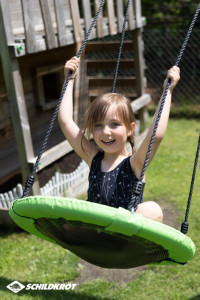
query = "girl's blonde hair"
{"x": 98, "y": 109}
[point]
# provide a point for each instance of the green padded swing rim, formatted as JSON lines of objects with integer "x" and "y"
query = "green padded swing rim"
{"x": 24, "y": 211}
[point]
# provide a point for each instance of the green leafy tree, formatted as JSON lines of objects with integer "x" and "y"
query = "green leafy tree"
{"x": 170, "y": 13}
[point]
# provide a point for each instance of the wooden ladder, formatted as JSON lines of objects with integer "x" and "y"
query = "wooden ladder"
{"x": 100, "y": 58}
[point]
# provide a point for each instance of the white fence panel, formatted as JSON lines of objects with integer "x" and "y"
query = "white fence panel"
{"x": 58, "y": 185}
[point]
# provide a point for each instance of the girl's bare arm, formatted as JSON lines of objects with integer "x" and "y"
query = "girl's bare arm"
{"x": 137, "y": 160}
{"x": 65, "y": 117}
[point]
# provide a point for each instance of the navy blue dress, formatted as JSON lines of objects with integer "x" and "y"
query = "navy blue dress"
{"x": 113, "y": 188}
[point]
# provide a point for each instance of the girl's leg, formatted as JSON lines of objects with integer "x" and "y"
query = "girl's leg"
{"x": 150, "y": 210}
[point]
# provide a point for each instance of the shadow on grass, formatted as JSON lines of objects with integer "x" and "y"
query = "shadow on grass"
{"x": 5, "y": 231}
{"x": 44, "y": 294}
{"x": 197, "y": 297}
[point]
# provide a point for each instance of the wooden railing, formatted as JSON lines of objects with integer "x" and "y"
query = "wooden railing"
{"x": 37, "y": 25}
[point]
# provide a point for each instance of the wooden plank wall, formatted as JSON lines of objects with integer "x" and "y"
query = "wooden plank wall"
{"x": 60, "y": 19}
{"x": 27, "y": 7}
{"x": 48, "y": 24}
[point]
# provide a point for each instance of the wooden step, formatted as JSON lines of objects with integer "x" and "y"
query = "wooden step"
{"x": 96, "y": 91}
{"x": 98, "y": 46}
{"x": 108, "y": 81}
{"x": 109, "y": 63}
{"x": 131, "y": 96}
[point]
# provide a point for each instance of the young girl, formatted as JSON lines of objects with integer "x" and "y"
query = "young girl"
{"x": 110, "y": 120}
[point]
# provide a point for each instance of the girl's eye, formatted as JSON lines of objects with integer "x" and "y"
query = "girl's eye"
{"x": 115, "y": 124}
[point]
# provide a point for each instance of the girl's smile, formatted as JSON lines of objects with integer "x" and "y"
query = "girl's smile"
{"x": 108, "y": 142}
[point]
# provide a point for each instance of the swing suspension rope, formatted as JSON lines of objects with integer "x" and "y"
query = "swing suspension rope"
{"x": 120, "y": 47}
{"x": 138, "y": 188}
{"x": 185, "y": 224}
{"x": 30, "y": 180}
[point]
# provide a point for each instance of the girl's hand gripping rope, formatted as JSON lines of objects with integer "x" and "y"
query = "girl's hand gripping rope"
{"x": 173, "y": 74}
{"x": 72, "y": 65}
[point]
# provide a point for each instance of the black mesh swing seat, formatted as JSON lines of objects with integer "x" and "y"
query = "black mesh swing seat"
{"x": 102, "y": 235}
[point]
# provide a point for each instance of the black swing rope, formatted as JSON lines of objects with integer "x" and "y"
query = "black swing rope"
{"x": 120, "y": 47}
{"x": 138, "y": 188}
{"x": 185, "y": 224}
{"x": 30, "y": 180}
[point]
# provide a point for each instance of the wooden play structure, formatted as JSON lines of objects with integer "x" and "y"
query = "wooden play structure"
{"x": 37, "y": 37}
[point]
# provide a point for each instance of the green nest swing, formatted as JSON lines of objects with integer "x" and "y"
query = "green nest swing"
{"x": 104, "y": 236}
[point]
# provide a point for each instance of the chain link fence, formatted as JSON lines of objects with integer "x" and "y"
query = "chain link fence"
{"x": 161, "y": 49}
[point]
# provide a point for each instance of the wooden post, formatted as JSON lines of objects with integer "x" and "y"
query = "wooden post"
{"x": 76, "y": 21}
{"x": 120, "y": 14}
{"x": 139, "y": 70}
{"x": 131, "y": 15}
{"x": 111, "y": 17}
{"x": 88, "y": 17}
{"x": 51, "y": 41}
{"x": 17, "y": 106}
{"x": 100, "y": 24}
{"x": 7, "y": 20}
{"x": 81, "y": 89}
{"x": 60, "y": 19}
{"x": 138, "y": 49}
{"x": 139, "y": 62}
{"x": 27, "y": 12}
{"x": 138, "y": 16}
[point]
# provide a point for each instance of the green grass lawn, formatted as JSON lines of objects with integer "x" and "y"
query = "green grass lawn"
{"x": 28, "y": 259}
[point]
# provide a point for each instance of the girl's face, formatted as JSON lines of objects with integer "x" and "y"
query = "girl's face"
{"x": 111, "y": 134}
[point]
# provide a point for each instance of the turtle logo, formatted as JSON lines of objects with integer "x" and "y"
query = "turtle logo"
{"x": 15, "y": 286}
